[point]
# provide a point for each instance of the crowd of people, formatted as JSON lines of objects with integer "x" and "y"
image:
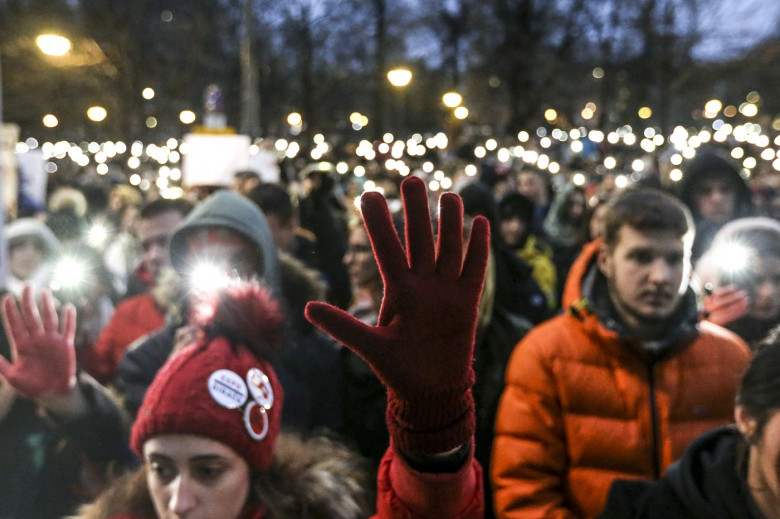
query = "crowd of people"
{"x": 515, "y": 348}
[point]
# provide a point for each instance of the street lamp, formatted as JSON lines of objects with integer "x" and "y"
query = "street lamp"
{"x": 399, "y": 77}
{"x": 452, "y": 99}
{"x": 97, "y": 113}
{"x": 53, "y": 44}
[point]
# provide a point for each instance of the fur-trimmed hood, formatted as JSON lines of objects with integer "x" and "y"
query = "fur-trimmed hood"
{"x": 308, "y": 479}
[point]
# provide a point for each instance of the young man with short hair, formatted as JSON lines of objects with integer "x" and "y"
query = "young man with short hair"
{"x": 142, "y": 313}
{"x": 618, "y": 385}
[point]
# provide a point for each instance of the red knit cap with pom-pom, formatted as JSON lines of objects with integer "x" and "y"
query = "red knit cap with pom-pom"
{"x": 217, "y": 388}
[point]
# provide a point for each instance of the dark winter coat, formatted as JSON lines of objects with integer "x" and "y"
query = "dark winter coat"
{"x": 48, "y": 467}
{"x": 708, "y": 482}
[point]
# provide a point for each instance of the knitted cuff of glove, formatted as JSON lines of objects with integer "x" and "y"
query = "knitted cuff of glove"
{"x": 433, "y": 423}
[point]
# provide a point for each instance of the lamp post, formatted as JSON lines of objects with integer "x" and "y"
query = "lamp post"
{"x": 400, "y": 79}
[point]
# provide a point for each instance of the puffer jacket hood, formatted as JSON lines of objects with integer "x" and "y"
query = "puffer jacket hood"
{"x": 585, "y": 296}
{"x": 228, "y": 210}
{"x": 707, "y": 480}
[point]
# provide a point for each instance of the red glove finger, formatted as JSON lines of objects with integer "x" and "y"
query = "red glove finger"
{"x": 384, "y": 240}
{"x": 450, "y": 253}
{"x": 339, "y": 324}
{"x": 419, "y": 233}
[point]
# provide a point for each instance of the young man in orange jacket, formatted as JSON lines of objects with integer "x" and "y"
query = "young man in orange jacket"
{"x": 620, "y": 383}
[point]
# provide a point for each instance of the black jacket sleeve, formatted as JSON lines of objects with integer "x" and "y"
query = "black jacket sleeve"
{"x": 141, "y": 362}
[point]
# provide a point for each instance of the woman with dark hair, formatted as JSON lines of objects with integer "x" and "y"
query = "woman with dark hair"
{"x": 566, "y": 231}
{"x": 729, "y": 473}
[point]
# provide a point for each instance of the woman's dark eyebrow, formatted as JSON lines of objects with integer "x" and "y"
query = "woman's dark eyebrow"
{"x": 156, "y": 456}
{"x": 207, "y": 457}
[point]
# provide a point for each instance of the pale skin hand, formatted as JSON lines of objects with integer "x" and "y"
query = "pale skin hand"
{"x": 7, "y": 398}
{"x": 726, "y": 304}
{"x": 43, "y": 358}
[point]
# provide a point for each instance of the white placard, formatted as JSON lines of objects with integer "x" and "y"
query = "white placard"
{"x": 32, "y": 177}
{"x": 265, "y": 164}
{"x": 213, "y": 160}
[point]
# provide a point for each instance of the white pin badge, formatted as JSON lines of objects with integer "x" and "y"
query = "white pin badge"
{"x": 260, "y": 387}
{"x": 256, "y": 420}
{"x": 228, "y": 389}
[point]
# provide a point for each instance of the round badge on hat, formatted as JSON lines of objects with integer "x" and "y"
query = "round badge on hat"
{"x": 256, "y": 420}
{"x": 260, "y": 387}
{"x": 228, "y": 389}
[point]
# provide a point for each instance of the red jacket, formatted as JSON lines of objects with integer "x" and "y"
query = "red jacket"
{"x": 583, "y": 406}
{"x": 133, "y": 318}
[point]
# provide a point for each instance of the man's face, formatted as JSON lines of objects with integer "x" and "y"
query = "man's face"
{"x": 715, "y": 199}
{"x": 647, "y": 273}
{"x": 533, "y": 186}
{"x": 153, "y": 233}
{"x": 282, "y": 232}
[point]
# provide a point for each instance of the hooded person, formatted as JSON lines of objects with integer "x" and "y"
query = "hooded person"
{"x": 32, "y": 249}
{"x": 226, "y": 234}
{"x": 715, "y": 193}
{"x": 565, "y": 230}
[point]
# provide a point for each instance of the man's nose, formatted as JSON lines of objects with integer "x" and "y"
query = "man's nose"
{"x": 660, "y": 271}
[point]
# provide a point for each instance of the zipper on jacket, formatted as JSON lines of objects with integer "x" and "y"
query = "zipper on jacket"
{"x": 654, "y": 422}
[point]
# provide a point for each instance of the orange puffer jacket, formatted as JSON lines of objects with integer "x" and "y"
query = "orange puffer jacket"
{"x": 583, "y": 406}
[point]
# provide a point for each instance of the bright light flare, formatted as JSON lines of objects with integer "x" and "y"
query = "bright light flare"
{"x": 187, "y": 116}
{"x": 207, "y": 277}
{"x": 733, "y": 258}
{"x": 97, "y": 113}
{"x": 451, "y": 99}
{"x": 69, "y": 273}
{"x": 50, "y": 121}
{"x": 53, "y": 44}
{"x": 399, "y": 77}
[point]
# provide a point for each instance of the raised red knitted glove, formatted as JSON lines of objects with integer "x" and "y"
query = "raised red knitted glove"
{"x": 44, "y": 358}
{"x": 422, "y": 346}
